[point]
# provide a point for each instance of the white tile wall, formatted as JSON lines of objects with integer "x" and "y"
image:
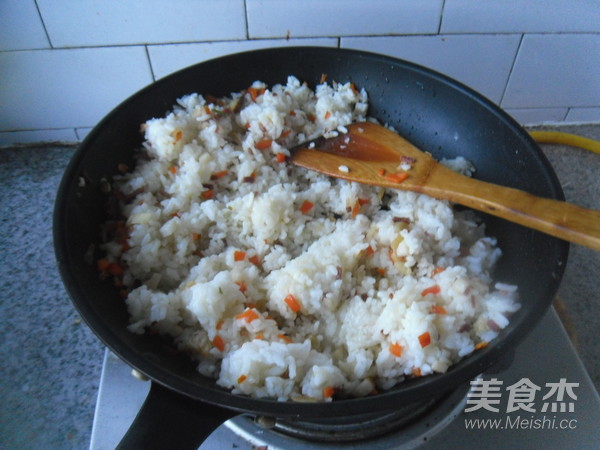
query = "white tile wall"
{"x": 64, "y": 63}
{"x": 583, "y": 115}
{"x": 521, "y": 16}
{"x": 82, "y": 132}
{"x": 482, "y": 62}
{"x": 538, "y": 115}
{"x": 279, "y": 18}
{"x": 554, "y": 71}
{"x": 67, "y": 88}
{"x": 168, "y": 58}
{"x": 21, "y": 26}
{"x": 121, "y": 22}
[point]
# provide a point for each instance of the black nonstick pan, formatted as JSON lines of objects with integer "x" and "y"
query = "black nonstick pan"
{"x": 436, "y": 113}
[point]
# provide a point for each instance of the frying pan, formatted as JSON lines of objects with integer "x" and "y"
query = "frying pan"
{"x": 434, "y": 112}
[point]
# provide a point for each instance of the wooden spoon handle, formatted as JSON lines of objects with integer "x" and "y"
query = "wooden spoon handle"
{"x": 556, "y": 218}
{"x": 368, "y": 149}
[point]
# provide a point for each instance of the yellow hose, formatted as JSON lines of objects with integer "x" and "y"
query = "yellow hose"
{"x": 555, "y": 137}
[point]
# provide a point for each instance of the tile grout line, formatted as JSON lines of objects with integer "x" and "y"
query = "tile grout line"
{"x": 149, "y": 62}
{"x": 43, "y": 23}
{"x": 246, "y": 20}
{"x": 439, "y": 30}
{"x": 512, "y": 68}
{"x": 283, "y": 38}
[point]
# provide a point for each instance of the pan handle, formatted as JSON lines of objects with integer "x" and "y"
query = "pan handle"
{"x": 168, "y": 420}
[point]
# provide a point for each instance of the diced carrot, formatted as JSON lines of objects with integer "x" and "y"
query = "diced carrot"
{"x": 425, "y": 339}
{"x": 242, "y": 285}
{"x": 327, "y": 115}
{"x": 435, "y": 289}
{"x": 353, "y": 88}
{"x": 207, "y": 194}
{"x": 438, "y": 309}
{"x": 220, "y": 174}
{"x": 311, "y": 117}
{"x": 285, "y": 338}
{"x": 306, "y": 206}
{"x": 196, "y": 236}
{"x": 219, "y": 324}
{"x": 263, "y": 145}
{"x": 249, "y": 315}
{"x": 173, "y": 169}
{"x": 254, "y": 260}
{"x": 323, "y": 78}
{"x": 241, "y": 379}
{"x": 355, "y": 209}
{"x": 369, "y": 251}
{"x": 115, "y": 269}
{"x": 481, "y": 345}
{"x": 259, "y": 336}
{"x": 285, "y": 133}
{"x": 363, "y": 201}
{"x": 239, "y": 255}
{"x": 396, "y": 350}
{"x": 416, "y": 371}
{"x": 255, "y": 92}
{"x": 437, "y": 270}
{"x": 281, "y": 157}
{"x": 328, "y": 392}
{"x": 380, "y": 271}
{"x": 218, "y": 343}
{"x": 103, "y": 264}
{"x": 396, "y": 177}
{"x": 292, "y": 302}
{"x": 382, "y": 172}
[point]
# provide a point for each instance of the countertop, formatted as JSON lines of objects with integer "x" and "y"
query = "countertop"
{"x": 51, "y": 361}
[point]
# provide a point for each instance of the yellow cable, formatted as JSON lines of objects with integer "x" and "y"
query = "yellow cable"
{"x": 555, "y": 137}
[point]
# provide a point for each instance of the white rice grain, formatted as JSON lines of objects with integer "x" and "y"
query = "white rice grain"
{"x": 287, "y": 284}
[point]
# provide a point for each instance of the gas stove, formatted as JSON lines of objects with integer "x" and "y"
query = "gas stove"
{"x": 542, "y": 396}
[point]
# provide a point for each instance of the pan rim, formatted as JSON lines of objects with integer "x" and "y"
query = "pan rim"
{"x": 412, "y": 390}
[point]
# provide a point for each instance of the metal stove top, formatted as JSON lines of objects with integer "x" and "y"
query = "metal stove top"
{"x": 543, "y": 397}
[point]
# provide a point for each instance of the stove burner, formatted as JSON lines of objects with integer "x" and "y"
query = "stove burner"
{"x": 442, "y": 426}
{"x": 355, "y": 428}
{"x": 418, "y": 419}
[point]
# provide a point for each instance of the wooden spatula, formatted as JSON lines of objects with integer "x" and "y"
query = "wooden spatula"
{"x": 372, "y": 154}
